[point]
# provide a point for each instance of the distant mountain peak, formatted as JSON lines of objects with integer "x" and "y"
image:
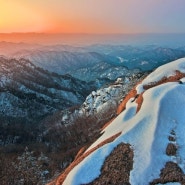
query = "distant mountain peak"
{"x": 146, "y": 144}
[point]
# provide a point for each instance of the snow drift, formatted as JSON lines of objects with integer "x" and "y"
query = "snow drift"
{"x": 149, "y": 130}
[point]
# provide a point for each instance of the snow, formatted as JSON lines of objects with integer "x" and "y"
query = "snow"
{"x": 119, "y": 80}
{"x": 147, "y": 132}
{"x": 3, "y": 80}
{"x": 98, "y": 100}
{"x": 144, "y": 63}
{"x": 87, "y": 171}
{"x": 182, "y": 80}
{"x": 121, "y": 59}
{"x": 166, "y": 70}
{"x": 170, "y": 183}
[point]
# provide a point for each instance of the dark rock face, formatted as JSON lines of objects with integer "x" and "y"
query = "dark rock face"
{"x": 171, "y": 138}
{"x": 171, "y": 149}
{"x": 170, "y": 173}
{"x": 117, "y": 167}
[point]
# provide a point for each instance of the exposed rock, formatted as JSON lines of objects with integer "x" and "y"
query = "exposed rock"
{"x": 171, "y": 173}
{"x": 171, "y": 149}
{"x": 175, "y": 78}
{"x": 119, "y": 163}
{"x": 171, "y": 138}
{"x": 62, "y": 177}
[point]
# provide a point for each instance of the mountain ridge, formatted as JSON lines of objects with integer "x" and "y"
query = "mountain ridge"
{"x": 88, "y": 62}
{"x": 154, "y": 133}
{"x": 24, "y": 87}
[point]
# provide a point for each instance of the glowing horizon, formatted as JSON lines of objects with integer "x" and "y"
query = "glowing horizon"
{"x": 92, "y": 16}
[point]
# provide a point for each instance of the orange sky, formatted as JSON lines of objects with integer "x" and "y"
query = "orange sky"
{"x": 92, "y": 16}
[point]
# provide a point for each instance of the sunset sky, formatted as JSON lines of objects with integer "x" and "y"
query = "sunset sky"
{"x": 92, "y": 16}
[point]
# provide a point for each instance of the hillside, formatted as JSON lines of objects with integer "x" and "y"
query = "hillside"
{"x": 29, "y": 93}
{"x": 44, "y": 113}
{"x": 145, "y": 143}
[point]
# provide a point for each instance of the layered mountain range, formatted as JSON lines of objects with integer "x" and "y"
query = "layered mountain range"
{"x": 93, "y": 61}
{"x": 29, "y": 93}
{"x": 144, "y": 143}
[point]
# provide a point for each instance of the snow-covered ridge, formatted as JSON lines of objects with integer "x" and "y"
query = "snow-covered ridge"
{"x": 98, "y": 100}
{"x": 165, "y": 71}
{"x": 105, "y": 99}
{"x": 149, "y": 132}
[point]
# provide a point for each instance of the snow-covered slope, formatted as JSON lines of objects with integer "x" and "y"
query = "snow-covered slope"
{"x": 150, "y": 129}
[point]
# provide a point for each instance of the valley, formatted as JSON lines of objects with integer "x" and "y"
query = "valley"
{"x": 55, "y": 100}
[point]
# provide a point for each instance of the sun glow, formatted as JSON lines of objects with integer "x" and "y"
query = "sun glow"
{"x": 17, "y": 17}
{"x": 92, "y": 16}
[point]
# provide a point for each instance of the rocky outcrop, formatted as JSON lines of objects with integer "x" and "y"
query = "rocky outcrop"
{"x": 170, "y": 173}
{"x": 119, "y": 163}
